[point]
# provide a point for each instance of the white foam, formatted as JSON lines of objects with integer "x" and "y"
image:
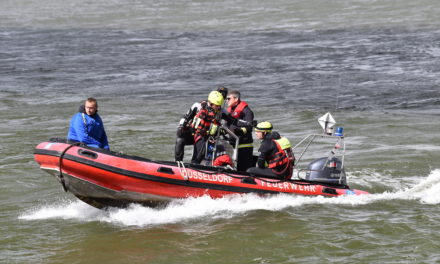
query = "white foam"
{"x": 62, "y": 210}
{"x": 426, "y": 192}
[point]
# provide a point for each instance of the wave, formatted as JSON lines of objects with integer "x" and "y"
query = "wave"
{"x": 426, "y": 192}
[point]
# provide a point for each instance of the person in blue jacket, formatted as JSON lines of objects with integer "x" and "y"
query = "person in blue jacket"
{"x": 87, "y": 127}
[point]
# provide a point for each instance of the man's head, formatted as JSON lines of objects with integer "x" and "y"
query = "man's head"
{"x": 223, "y": 90}
{"x": 233, "y": 98}
{"x": 91, "y": 106}
{"x": 262, "y": 129}
{"x": 215, "y": 100}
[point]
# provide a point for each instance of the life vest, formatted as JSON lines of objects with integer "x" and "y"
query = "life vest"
{"x": 283, "y": 158}
{"x": 238, "y": 109}
{"x": 223, "y": 160}
{"x": 204, "y": 124}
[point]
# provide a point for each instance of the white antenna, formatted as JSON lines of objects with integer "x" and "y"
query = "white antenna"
{"x": 337, "y": 94}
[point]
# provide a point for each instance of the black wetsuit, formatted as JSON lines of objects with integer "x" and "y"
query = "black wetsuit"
{"x": 184, "y": 135}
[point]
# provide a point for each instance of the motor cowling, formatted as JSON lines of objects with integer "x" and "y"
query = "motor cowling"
{"x": 326, "y": 171}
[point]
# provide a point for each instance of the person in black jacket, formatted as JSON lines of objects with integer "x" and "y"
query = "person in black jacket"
{"x": 276, "y": 158}
{"x": 185, "y": 134}
{"x": 240, "y": 120}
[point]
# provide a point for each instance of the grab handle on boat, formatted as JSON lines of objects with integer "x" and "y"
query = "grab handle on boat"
{"x": 87, "y": 153}
{"x": 165, "y": 170}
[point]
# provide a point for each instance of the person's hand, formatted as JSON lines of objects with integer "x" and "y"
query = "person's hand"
{"x": 238, "y": 131}
{"x": 228, "y": 118}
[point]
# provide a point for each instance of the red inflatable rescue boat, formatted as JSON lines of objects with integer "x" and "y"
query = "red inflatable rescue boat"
{"x": 104, "y": 178}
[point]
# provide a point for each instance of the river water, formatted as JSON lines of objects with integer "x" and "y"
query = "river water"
{"x": 373, "y": 64}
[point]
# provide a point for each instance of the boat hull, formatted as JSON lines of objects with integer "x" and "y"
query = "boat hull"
{"x": 103, "y": 178}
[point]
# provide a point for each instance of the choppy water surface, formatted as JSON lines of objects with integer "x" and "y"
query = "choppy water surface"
{"x": 373, "y": 64}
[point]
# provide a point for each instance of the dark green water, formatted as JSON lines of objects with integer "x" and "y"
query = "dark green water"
{"x": 374, "y": 65}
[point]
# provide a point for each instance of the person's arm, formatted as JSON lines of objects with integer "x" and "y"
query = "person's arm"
{"x": 264, "y": 153}
{"x": 246, "y": 122}
{"x": 184, "y": 123}
{"x": 190, "y": 114}
{"x": 104, "y": 140}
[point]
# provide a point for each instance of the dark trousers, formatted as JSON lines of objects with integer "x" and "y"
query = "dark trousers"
{"x": 245, "y": 158}
{"x": 199, "y": 151}
{"x": 181, "y": 142}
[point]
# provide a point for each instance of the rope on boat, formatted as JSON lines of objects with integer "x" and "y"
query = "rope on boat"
{"x": 60, "y": 175}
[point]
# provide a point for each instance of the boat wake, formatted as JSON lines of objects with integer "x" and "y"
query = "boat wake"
{"x": 187, "y": 210}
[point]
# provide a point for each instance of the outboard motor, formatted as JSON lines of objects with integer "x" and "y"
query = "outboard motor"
{"x": 330, "y": 172}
